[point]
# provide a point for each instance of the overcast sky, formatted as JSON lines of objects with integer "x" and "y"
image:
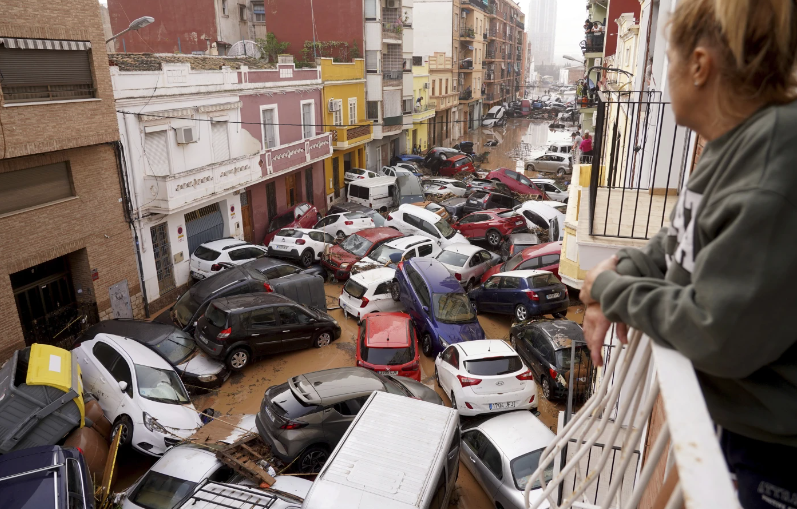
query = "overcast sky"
{"x": 570, "y": 16}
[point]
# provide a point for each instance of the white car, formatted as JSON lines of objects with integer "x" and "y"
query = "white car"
{"x": 402, "y": 248}
{"x": 539, "y": 215}
{"x": 396, "y": 171}
{"x": 552, "y": 189}
{"x": 495, "y": 117}
{"x": 368, "y": 292}
{"x": 502, "y": 453}
{"x": 343, "y": 225}
{"x": 556, "y": 205}
{"x": 357, "y": 174}
{"x": 485, "y": 376}
{"x": 139, "y": 392}
{"x": 443, "y": 186}
{"x": 414, "y": 220}
{"x": 467, "y": 263}
{"x": 302, "y": 244}
{"x": 211, "y": 257}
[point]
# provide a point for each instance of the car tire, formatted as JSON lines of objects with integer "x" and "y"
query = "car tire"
{"x": 560, "y": 172}
{"x": 322, "y": 340}
{"x": 238, "y": 359}
{"x": 426, "y": 345}
{"x": 312, "y": 459}
{"x": 469, "y": 285}
{"x": 125, "y": 426}
{"x": 521, "y": 313}
{"x": 559, "y": 315}
{"x": 546, "y": 388}
{"x": 475, "y": 306}
{"x": 453, "y": 401}
{"x": 395, "y": 291}
{"x": 493, "y": 238}
{"x": 307, "y": 258}
{"x": 341, "y": 235}
{"x": 530, "y": 167}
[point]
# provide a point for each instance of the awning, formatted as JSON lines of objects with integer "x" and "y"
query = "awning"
{"x": 159, "y": 115}
{"x": 10, "y": 42}
{"x": 220, "y": 107}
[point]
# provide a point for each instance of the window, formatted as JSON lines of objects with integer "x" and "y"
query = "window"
{"x": 492, "y": 283}
{"x": 105, "y": 354}
{"x": 259, "y": 11}
{"x": 451, "y": 356}
{"x": 474, "y": 439}
{"x": 433, "y": 87}
{"x": 549, "y": 260}
{"x": 291, "y": 316}
{"x": 446, "y": 85}
{"x": 221, "y": 141}
{"x": 246, "y": 253}
{"x": 269, "y": 119}
{"x": 224, "y": 9}
{"x": 31, "y": 187}
{"x": 491, "y": 459}
{"x": 382, "y": 289}
{"x": 38, "y": 75}
{"x": 308, "y": 114}
{"x": 510, "y": 283}
{"x": 352, "y": 110}
{"x": 372, "y": 61}
{"x": 241, "y": 12}
{"x": 370, "y": 9}
{"x": 417, "y": 60}
{"x": 425, "y": 250}
{"x": 337, "y": 115}
{"x": 350, "y": 407}
{"x": 536, "y": 219}
{"x": 264, "y": 317}
{"x": 156, "y": 152}
{"x": 74, "y": 484}
{"x": 531, "y": 263}
{"x": 407, "y": 106}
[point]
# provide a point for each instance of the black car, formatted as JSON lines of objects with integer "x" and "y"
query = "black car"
{"x": 45, "y": 477}
{"x": 342, "y": 208}
{"x": 454, "y": 207}
{"x": 176, "y": 346}
{"x": 240, "y": 327}
{"x": 435, "y": 156}
{"x": 484, "y": 200}
{"x": 545, "y": 347}
{"x": 516, "y": 243}
{"x": 493, "y": 186}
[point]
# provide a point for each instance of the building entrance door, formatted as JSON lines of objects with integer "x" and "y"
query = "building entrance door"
{"x": 336, "y": 177}
{"x": 246, "y": 216}
{"x": 162, "y": 252}
{"x": 203, "y": 225}
{"x": 290, "y": 189}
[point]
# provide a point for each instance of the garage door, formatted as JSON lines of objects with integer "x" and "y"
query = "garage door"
{"x": 203, "y": 225}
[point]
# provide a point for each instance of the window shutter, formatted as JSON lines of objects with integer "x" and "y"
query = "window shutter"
{"x": 307, "y": 120}
{"x": 372, "y": 60}
{"x": 370, "y": 9}
{"x": 268, "y": 129}
{"x": 156, "y": 152}
{"x": 30, "y": 187}
{"x": 45, "y": 75}
{"x": 221, "y": 143}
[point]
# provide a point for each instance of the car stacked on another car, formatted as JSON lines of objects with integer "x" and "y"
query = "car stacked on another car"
{"x": 348, "y": 206}
{"x": 553, "y": 189}
{"x": 444, "y": 186}
{"x": 212, "y": 257}
{"x": 455, "y": 165}
{"x": 538, "y": 257}
{"x": 387, "y": 344}
{"x": 435, "y": 207}
{"x": 493, "y": 186}
{"x": 302, "y": 244}
{"x": 393, "y": 251}
{"x": 467, "y": 263}
{"x": 484, "y": 200}
{"x": 342, "y": 257}
{"x": 343, "y": 225}
{"x": 516, "y": 182}
{"x": 357, "y": 174}
{"x": 301, "y": 215}
{"x": 413, "y": 220}
{"x": 493, "y": 225}
{"x": 523, "y": 294}
{"x": 545, "y": 217}
{"x": 368, "y": 292}
{"x": 516, "y": 243}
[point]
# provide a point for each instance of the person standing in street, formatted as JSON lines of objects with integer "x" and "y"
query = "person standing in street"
{"x": 718, "y": 283}
{"x": 586, "y": 148}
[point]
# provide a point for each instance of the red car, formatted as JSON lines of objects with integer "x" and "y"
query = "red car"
{"x": 516, "y": 182}
{"x": 456, "y": 164}
{"x": 356, "y": 246}
{"x": 493, "y": 225}
{"x": 301, "y": 215}
{"x": 387, "y": 344}
{"x": 542, "y": 257}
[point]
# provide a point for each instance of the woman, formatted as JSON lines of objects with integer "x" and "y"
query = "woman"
{"x": 718, "y": 283}
{"x": 586, "y": 148}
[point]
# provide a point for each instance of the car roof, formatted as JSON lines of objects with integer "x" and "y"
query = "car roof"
{"x": 187, "y": 462}
{"x": 374, "y": 182}
{"x": 547, "y": 181}
{"x": 348, "y": 206}
{"x": 542, "y": 249}
{"x": 523, "y": 237}
{"x": 387, "y": 330}
{"x": 137, "y": 352}
{"x": 224, "y": 244}
{"x": 436, "y": 275}
{"x": 426, "y": 215}
{"x": 372, "y": 276}
{"x": 141, "y": 330}
{"x": 207, "y": 287}
{"x": 266, "y": 262}
{"x": 250, "y": 300}
{"x": 482, "y": 348}
{"x": 381, "y": 233}
{"x": 562, "y": 154}
{"x": 408, "y": 241}
{"x": 537, "y": 207}
{"x": 462, "y": 248}
{"x": 457, "y": 157}
{"x": 523, "y": 273}
{"x": 494, "y": 108}
{"x": 330, "y": 386}
{"x": 561, "y": 332}
{"x": 517, "y": 433}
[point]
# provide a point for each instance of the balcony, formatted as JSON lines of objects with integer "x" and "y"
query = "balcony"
{"x": 344, "y": 137}
{"x": 594, "y": 43}
{"x": 490, "y": 54}
{"x": 466, "y": 65}
{"x": 423, "y": 112}
{"x": 466, "y": 95}
{"x": 392, "y": 32}
{"x": 489, "y": 76}
{"x": 492, "y": 33}
{"x": 393, "y": 78}
{"x": 467, "y": 33}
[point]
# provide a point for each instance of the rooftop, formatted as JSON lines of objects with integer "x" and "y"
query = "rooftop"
{"x": 152, "y": 61}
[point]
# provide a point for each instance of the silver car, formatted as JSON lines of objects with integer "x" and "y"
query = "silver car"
{"x": 503, "y": 452}
{"x": 467, "y": 263}
{"x": 551, "y": 163}
{"x": 556, "y": 192}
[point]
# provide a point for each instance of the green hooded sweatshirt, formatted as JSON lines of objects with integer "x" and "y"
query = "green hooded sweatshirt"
{"x": 720, "y": 283}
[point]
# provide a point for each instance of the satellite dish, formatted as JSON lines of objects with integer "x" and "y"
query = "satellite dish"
{"x": 244, "y": 49}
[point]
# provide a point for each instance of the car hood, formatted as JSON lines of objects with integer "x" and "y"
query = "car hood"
{"x": 458, "y": 332}
{"x": 199, "y": 364}
{"x": 339, "y": 255}
{"x": 490, "y": 122}
{"x": 458, "y": 238}
{"x": 419, "y": 390}
{"x": 182, "y": 420}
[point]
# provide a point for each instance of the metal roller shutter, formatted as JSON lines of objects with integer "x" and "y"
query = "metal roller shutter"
{"x": 203, "y": 225}
{"x": 35, "y": 75}
{"x": 221, "y": 143}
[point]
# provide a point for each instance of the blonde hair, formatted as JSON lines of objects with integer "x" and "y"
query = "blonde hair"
{"x": 755, "y": 40}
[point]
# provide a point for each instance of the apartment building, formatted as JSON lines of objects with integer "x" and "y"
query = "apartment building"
{"x": 505, "y": 67}
{"x": 65, "y": 240}
{"x": 423, "y": 110}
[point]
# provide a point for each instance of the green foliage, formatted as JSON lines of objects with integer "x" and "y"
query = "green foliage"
{"x": 270, "y": 47}
{"x": 338, "y": 51}
{"x": 355, "y": 51}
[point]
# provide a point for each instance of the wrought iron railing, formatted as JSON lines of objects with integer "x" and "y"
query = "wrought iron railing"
{"x": 594, "y": 43}
{"x": 467, "y": 32}
{"x": 392, "y": 77}
{"x": 37, "y": 92}
{"x": 465, "y": 95}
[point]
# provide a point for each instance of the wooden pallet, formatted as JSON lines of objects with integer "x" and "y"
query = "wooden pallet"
{"x": 243, "y": 455}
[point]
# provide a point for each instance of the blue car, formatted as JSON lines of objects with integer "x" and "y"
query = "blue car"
{"x": 410, "y": 158}
{"x": 436, "y": 303}
{"x": 523, "y": 293}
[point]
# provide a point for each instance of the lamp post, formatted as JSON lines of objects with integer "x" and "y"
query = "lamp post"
{"x": 574, "y": 59}
{"x": 135, "y": 25}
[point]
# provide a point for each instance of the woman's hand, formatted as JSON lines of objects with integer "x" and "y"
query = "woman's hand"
{"x": 595, "y": 326}
{"x": 585, "y": 294}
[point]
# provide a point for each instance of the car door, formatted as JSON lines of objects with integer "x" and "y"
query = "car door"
{"x": 480, "y": 262}
{"x": 473, "y": 441}
{"x": 509, "y": 294}
{"x": 530, "y": 264}
{"x": 409, "y": 224}
{"x": 489, "y": 294}
{"x": 382, "y": 299}
{"x": 338, "y": 418}
{"x": 262, "y": 330}
{"x": 426, "y": 249}
{"x": 550, "y": 263}
{"x": 449, "y": 368}
{"x": 112, "y": 368}
{"x": 325, "y": 222}
{"x": 296, "y": 327}
{"x": 429, "y": 230}
{"x": 241, "y": 255}
{"x": 490, "y": 464}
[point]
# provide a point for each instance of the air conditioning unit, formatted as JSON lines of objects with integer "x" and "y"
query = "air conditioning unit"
{"x": 426, "y": 85}
{"x": 393, "y": 4}
{"x": 333, "y": 105}
{"x": 185, "y": 135}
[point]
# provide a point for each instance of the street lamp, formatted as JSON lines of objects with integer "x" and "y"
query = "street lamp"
{"x": 135, "y": 25}
{"x": 574, "y": 59}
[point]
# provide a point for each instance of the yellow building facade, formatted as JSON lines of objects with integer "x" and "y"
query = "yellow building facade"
{"x": 422, "y": 110}
{"x": 344, "y": 116}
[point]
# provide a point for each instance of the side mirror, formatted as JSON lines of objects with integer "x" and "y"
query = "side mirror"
{"x": 123, "y": 386}
{"x": 426, "y": 309}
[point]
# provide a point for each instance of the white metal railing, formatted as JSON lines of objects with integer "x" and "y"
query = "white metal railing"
{"x": 636, "y": 375}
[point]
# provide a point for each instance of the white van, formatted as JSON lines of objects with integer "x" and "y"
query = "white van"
{"x": 380, "y": 193}
{"x": 399, "y": 453}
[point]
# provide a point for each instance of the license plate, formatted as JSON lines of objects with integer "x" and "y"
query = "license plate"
{"x": 281, "y": 247}
{"x": 499, "y": 406}
{"x": 390, "y": 372}
{"x": 552, "y": 295}
{"x": 203, "y": 339}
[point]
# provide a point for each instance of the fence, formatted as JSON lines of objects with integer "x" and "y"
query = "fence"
{"x": 594, "y": 43}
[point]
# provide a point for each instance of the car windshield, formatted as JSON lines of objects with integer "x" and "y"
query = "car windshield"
{"x": 558, "y": 186}
{"x": 176, "y": 347}
{"x": 494, "y": 366}
{"x": 513, "y": 263}
{"x": 523, "y": 466}
{"x": 161, "y": 491}
{"x": 280, "y": 222}
{"x": 216, "y": 316}
{"x": 356, "y": 245}
{"x": 542, "y": 280}
{"x": 288, "y": 232}
{"x": 563, "y": 360}
{"x": 387, "y": 356}
{"x": 445, "y": 229}
{"x": 383, "y": 252}
{"x": 508, "y": 213}
{"x": 160, "y": 385}
{"x": 379, "y": 221}
{"x": 354, "y": 289}
{"x": 206, "y": 254}
{"x": 184, "y": 308}
{"x": 452, "y": 258}
{"x": 490, "y": 114}
{"x": 453, "y": 308}
{"x": 409, "y": 186}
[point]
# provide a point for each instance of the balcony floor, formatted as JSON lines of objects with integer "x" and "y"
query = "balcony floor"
{"x": 638, "y": 214}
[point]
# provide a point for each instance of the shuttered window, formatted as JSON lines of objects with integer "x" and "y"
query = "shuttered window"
{"x": 36, "y": 75}
{"x": 372, "y": 61}
{"x": 308, "y": 129}
{"x": 370, "y": 9}
{"x": 221, "y": 142}
{"x": 269, "y": 129}
{"x": 157, "y": 152}
{"x": 372, "y": 110}
{"x": 32, "y": 187}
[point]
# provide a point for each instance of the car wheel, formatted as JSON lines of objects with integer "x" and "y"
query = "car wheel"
{"x": 530, "y": 167}
{"x": 340, "y": 234}
{"x": 238, "y": 359}
{"x": 123, "y": 426}
{"x": 521, "y": 313}
{"x": 469, "y": 286}
{"x": 395, "y": 291}
{"x": 560, "y": 172}
{"x": 453, "y": 401}
{"x": 426, "y": 345}
{"x": 493, "y": 238}
{"x": 312, "y": 459}
{"x": 475, "y": 306}
{"x": 308, "y": 257}
{"x": 559, "y": 315}
{"x": 546, "y": 388}
{"x": 323, "y": 339}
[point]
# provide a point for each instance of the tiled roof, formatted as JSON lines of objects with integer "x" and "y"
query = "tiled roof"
{"x": 153, "y": 61}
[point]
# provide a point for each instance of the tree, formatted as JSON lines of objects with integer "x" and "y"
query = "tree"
{"x": 270, "y": 47}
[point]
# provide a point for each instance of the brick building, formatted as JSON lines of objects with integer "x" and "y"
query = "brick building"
{"x": 66, "y": 251}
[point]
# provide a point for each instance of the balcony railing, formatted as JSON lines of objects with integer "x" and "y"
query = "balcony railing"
{"x": 594, "y": 43}
{"x": 466, "y": 64}
{"x": 392, "y": 29}
{"x": 33, "y": 92}
{"x": 465, "y": 95}
{"x": 639, "y": 162}
{"x": 594, "y": 456}
{"x": 346, "y": 136}
{"x": 489, "y": 76}
{"x": 467, "y": 32}
{"x": 490, "y": 54}
{"x": 392, "y": 78}
{"x": 492, "y": 33}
